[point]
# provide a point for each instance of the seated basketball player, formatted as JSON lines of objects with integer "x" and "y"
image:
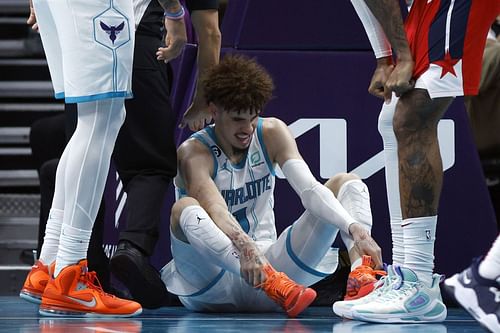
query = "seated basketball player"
{"x": 227, "y": 256}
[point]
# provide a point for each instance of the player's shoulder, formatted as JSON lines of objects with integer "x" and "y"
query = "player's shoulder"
{"x": 192, "y": 148}
{"x": 271, "y": 125}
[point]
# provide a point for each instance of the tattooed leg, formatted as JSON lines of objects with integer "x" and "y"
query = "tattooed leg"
{"x": 420, "y": 166}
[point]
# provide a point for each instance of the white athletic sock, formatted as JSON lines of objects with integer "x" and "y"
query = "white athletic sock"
{"x": 208, "y": 240}
{"x": 50, "y": 245}
{"x": 354, "y": 197}
{"x": 386, "y": 131}
{"x": 73, "y": 246}
{"x": 489, "y": 268}
{"x": 419, "y": 236}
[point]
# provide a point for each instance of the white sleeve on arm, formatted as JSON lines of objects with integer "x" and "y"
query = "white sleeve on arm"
{"x": 378, "y": 40}
{"x": 315, "y": 197}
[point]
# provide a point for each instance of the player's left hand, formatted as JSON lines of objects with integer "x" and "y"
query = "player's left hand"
{"x": 32, "y": 18}
{"x": 365, "y": 244}
{"x": 400, "y": 80}
{"x": 195, "y": 118}
{"x": 377, "y": 85}
{"x": 175, "y": 40}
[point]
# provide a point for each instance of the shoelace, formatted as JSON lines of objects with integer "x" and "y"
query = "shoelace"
{"x": 90, "y": 279}
{"x": 363, "y": 270}
{"x": 278, "y": 286}
{"x": 393, "y": 294}
{"x": 385, "y": 283}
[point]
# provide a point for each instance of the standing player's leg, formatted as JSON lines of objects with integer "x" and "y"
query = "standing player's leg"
{"x": 38, "y": 277}
{"x": 420, "y": 177}
{"x": 101, "y": 112}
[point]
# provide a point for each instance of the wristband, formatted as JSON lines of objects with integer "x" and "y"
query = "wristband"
{"x": 179, "y": 15}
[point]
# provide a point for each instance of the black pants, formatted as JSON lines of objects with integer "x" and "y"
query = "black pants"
{"x": 145, "y": 151}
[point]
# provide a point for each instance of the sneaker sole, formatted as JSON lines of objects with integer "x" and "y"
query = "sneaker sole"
{"x": 305, "y": 299}
{"x": 415, "y": 317}
{"x": 346, "y": 311}
{"x": 468, "y": 300}
{"x": 342, "y": 311}
{"x": 32, "y": 298}
{"x": 142, "y": 283}
{"x": 59, "y": 312}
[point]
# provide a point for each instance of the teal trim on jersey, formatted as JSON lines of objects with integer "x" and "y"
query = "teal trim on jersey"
{"x": 241, "y": 164}
{"x": 211, "y": 133}
{"x": 208, "y": 287}
{"x": 96, "y": 97}
{"x": 254, "y": 216}
{"x": 263, "y": 145}
{"x": 198, "y": 136}
{"x": 59, "y": 95}
{"x": 296, "y": 259}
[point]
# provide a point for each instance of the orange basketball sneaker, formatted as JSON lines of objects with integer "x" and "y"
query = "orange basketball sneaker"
{"x": 361, "y": 279}
{"x": 73, "y": 293}
{"x": 293, "y": 297}
{"x": 35, "y": 282}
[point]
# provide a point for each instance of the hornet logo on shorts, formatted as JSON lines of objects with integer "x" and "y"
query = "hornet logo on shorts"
{"x": 112, "y": 31}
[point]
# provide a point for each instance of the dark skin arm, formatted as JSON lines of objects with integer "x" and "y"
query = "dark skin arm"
{"x": 388, "y": 14}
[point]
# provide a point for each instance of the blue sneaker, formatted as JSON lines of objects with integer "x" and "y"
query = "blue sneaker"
{"x": 479, "y": 296}
{"x": 408, "y": 301}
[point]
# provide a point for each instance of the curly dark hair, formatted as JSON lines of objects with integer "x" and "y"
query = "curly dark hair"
{"x": 238, "y": 83}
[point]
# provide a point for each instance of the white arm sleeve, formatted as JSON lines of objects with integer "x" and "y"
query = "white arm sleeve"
{"x": 378, "y": 40}
{"x": 315, "y": 197}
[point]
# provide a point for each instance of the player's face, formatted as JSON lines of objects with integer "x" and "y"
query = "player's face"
{"x": 236, "y": 128}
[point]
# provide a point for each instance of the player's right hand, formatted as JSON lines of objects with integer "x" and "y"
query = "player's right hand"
{"x": 175, "y": 40}
{"x": 252, "y": 264}
{"x": 365, "y": 244}
{"x": 32, "y": 18}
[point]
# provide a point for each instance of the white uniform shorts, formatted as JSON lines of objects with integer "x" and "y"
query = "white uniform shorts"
{"x": 222, "y": 291}
{"x": 89, "y": 46}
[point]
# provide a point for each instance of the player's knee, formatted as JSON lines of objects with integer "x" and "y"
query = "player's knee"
{"x": 175, "y": 214}
{"x": 336, "y": 182}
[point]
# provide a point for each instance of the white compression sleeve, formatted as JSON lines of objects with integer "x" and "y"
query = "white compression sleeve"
{"x": 315, "y": 197}
{"x": 378, "y": 40}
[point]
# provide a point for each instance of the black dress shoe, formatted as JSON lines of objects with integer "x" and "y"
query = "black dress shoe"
{"x": 132, "y": 268}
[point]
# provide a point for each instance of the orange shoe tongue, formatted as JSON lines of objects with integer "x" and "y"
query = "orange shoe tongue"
{"x": 366, "y": 261}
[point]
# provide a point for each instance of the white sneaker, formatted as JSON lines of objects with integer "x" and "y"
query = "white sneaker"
{"x": 343, "y": 308}
{"x": 408, "y": 301}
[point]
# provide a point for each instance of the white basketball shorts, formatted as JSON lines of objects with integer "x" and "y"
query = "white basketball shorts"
{"x": 89, "y": 46}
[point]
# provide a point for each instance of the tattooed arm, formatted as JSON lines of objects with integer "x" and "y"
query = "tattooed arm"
{"x": 176, "y": 36}
{"x": 388, "y": 15}
{"x": 196, "y": 167}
